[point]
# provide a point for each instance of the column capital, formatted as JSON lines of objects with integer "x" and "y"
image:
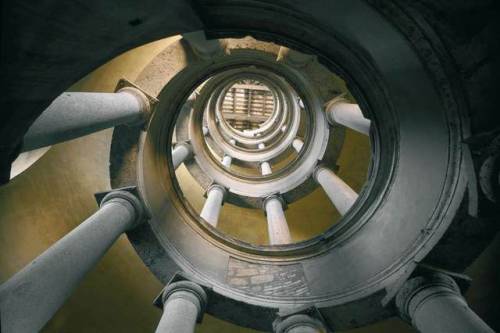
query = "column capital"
{"x": 141, "y": 97}
{"x": 284, "y": 325}
{"x": 330, "y": 104}
{"x": 420, "y": 289}
{"x": 134, "y": 201}
{"x": 215, "y": 186}
{"x": 268, "y": 169}
{"x": 317, "y": 169}
{"x": 189, "y": 291}
{"x": 147, "y": 101}
{"x": 185, "y": 144}
{"x": 298, "y": 144}
{"x": 277, "y": 197}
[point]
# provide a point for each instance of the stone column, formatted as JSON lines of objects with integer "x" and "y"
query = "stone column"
{"x": 297, "y": 144}
{"x": 75, "y": 114}
{"x": 184, "y": 304}
{"x": 341, "y": 195}
{"x": 298, "y": 323}
{"x": 205, "y": 130}
{"x": 213, "y": 204}
{"x": 434, "y": 304}
{"x": 265, "y": 169}
{"x": 349, "y": 115}
{"x": 227, "y": 160}
{"x": 180, "y": 153}
{"x": 32, "y": 296}
{"x": 277, "y": 225}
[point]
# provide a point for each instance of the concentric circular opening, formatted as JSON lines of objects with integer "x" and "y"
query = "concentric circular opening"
{"x": 247, "y": 106}
{"x": 265, "y": 155}
{"x": 213, "y": 220}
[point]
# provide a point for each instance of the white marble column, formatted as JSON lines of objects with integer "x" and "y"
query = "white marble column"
{"x": 265, "y": 169}
{"x": 349, "y": 115}
{"x": 227, "y": 160}
{"x": 184, "y": 304}
{"x": 33, "y": 295}
{"x": 75, "y": 114}
{"x": 181, "y": 152}
{"x": 213, "y": 203}
{"x": 297, "y": 144}
{"x": 277, "y": 225}
{"x": 434, "y": 304}
{"x": 340, "y": 194}
{"x": 205, "y": 130}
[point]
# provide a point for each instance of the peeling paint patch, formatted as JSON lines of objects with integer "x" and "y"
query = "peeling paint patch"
{"x": 267, "y": 280}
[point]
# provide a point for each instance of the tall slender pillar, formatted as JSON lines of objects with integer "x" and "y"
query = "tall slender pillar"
{"x": 205, "y": 130}
{"x": 75, "y": 114}
{"x": 277, "y": 226}
{"x": 340, "y": 194}
{"x": 349, "y": 115}
{"x": 184, "y": 304}
{"x": 297, "y": 144}
{"x": 227, "y": 160}
{"x": 265, "y": 169}
{"x": 213, "y": 204}
{"x": 32, "y": 296}
{"x": 434, "y": 304}
{"x": 181, "y": 152}
{"x": 298, "y": 323}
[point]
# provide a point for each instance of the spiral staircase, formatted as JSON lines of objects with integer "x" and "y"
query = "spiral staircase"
{"x": 227, "y": 133}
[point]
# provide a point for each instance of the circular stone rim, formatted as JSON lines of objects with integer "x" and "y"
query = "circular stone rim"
{"x": 209, "y": 103}
{"x": 451, "y": 190}
{"x": 264, "y": 127}
{"x": 338, "y": 293}
{"x": 282, "y": 181}
{"x": 329, "y": 158}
